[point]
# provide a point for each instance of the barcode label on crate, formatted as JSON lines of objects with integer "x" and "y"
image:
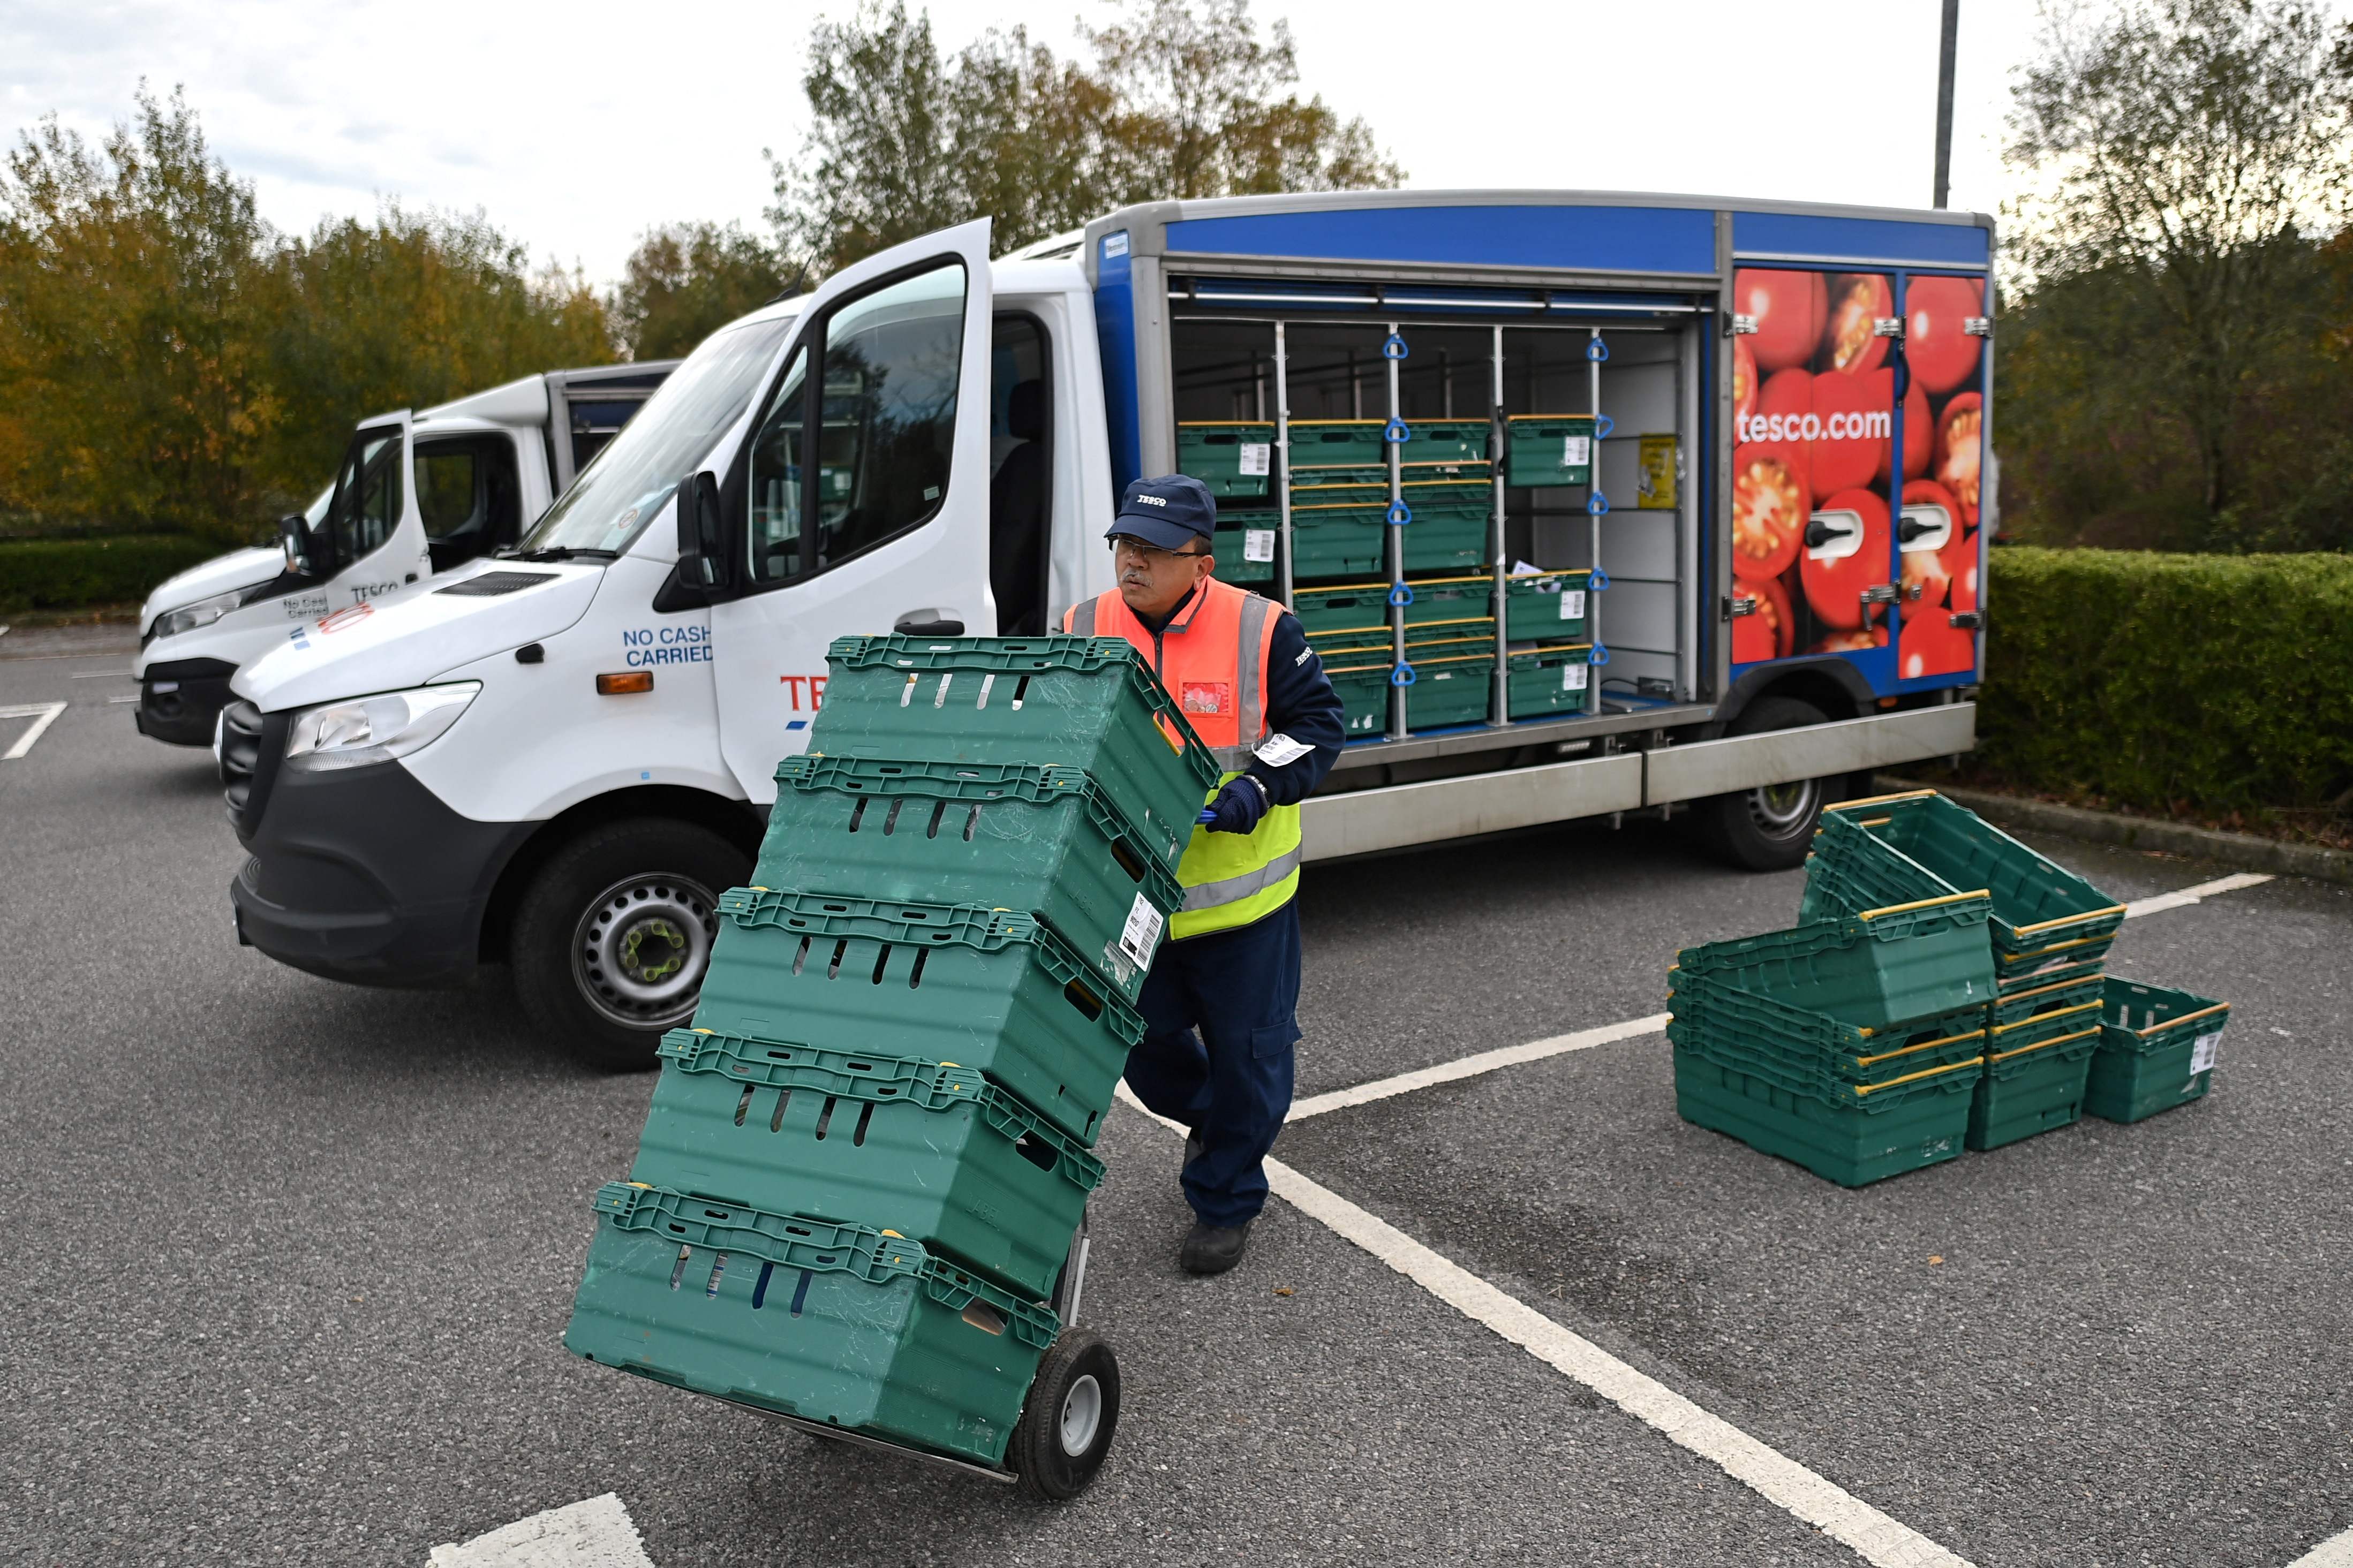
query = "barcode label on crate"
{"x": 2201, "y": 1054}
{"x": 1258, "y": 543}
{"x": 1575, "y": 451}
{"x": 1142, "y": 933}
{"x": 1572, "y": 605}
{"x": 1572, "y": 678}
{"x": 1255, "y": 458}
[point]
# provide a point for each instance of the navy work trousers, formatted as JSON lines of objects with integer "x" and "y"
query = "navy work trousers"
{"x": 1219, "y": 1022}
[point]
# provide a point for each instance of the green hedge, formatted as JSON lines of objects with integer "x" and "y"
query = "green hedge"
{"x": 73, "y": 574}
{"x": 2220, "y": 682}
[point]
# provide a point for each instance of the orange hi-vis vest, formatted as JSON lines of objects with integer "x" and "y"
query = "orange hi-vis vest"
{"x": 1212, "y": 659}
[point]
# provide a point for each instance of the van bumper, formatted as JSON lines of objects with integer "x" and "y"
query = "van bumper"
{"x": 179, "y": 700}
{"x": 364, "y": 875}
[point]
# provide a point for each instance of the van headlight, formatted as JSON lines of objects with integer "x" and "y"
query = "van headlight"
{"x": 203, "y": 613}
{"x": 366, "y": 730}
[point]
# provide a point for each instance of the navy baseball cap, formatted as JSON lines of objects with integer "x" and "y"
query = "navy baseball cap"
{"x": 1170, "y": 512}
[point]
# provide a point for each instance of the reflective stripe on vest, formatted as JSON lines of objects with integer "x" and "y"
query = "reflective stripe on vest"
{"x": 1229, "y": 878}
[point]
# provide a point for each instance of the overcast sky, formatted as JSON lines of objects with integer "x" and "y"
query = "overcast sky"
{"x": 573, "y": 128}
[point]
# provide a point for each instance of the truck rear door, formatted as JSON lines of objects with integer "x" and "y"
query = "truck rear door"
{"x": 866, "y": 492}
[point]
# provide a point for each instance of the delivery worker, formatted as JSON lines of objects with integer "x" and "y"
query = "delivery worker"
{"x": 1239, "y": 667}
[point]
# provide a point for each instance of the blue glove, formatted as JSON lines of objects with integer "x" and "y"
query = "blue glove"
{"x": 1236, "y": 808}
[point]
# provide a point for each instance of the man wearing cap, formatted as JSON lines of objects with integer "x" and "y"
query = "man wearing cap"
{"x": 1219, "y": 1006}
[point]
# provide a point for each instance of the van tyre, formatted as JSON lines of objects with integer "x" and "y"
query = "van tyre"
{"x": 613, "y": 937}
{"x": 1067, "y": 1424}
{"x": 1771, "y": 827}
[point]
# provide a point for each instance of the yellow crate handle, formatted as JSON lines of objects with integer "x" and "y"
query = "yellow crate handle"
{"x": 1881, "y": 799}
{"x": 1920, "y": 904}
{"x": 2042, "y": 1044}
{"x": 2069, "y": 919}
{"x": 1923, "y": 1046}
{"x": 2045, "y": 1017}
{"x": 2176, "y": 1023}
{"x": 1863, "y": 1088}
{"x": 2059, "y": 947}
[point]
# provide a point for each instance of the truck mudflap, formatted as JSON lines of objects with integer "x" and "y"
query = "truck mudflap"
{"x": 1362, "y": 821}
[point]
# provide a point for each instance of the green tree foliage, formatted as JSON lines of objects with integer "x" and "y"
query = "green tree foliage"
{"x": 410, "y": 311}
{"x": 2168, "y": 372}
{"x": 1181, "y": 99}
{"x": 685, "y": 281}
{"x": 169, "y": 361}
{"x": 133, "y": 305}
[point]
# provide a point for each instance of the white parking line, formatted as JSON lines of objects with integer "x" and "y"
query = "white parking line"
{"x": 42, "y": 714}
{"x": 101, "y": 675}
{"x": 2336, "y": 1551}
{"x": 1869, "y": 1533}
{"x": 2181, "y": 899}
{"x": 596, "y": 1533}
{"x": 1471, "y": 1067}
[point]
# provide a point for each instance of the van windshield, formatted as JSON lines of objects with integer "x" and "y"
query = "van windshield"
{"x": 619, "y": 493}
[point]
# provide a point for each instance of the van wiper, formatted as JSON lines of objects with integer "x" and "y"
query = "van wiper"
{"x": 565, "y": 552}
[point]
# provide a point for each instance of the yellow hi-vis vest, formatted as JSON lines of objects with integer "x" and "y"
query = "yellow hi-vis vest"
{"x": 1212, "y": 659}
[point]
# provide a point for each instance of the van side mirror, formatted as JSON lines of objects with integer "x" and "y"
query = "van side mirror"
{"x": 294, "y": 537}
{"x": 701, "y": 541}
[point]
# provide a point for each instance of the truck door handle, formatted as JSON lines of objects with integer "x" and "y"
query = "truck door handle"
{"x": 922, "y": 623}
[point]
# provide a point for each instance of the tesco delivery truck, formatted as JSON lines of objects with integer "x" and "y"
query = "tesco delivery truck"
{"x": 1591, "y": 504}
{"x": 417, "y": 494}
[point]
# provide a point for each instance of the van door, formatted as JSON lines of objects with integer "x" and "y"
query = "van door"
{"x": 863, "y": 496}
{"x": 468, "y": 496}
{"x": 372, "y": 532}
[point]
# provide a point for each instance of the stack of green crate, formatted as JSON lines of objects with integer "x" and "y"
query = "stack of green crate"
{"x": 1339, "y": 483}
{"x": 1848, "y": 1046}
{"x": 865, "y": 1162}
{"x": 1235, "y": 458}
{"x": 2049, "y": 937}
{"x": 1545, "y": 619}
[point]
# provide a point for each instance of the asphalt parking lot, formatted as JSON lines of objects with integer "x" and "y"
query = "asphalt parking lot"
{"x": 290, "y": 1261}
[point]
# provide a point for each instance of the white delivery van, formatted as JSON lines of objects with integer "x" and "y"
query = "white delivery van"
{"x": 418, "y": 494}
{"x": 559, "y": 759}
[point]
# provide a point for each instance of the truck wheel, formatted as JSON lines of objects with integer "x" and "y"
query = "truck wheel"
{"x": 613, "y": 937}
{"x": 1067, "y": 1424}
{"x": 1770, "y": 827}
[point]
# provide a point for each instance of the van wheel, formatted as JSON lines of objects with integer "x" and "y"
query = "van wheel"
{"x": 1770, "y": 827}
{"x": 613, "y": 937}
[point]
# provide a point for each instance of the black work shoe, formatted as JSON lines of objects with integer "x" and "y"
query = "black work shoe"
{"x": 1213, "y": 1248}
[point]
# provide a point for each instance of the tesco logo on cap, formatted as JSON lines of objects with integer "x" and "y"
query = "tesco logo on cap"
{"x": 1152, "y": 501}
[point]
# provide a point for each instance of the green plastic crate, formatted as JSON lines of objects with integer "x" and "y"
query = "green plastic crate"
{"x": 1336, "y": 443}
{"x": 1364, "y": 693}
{"x": 1090, "y": 703}
{"x": 837, "y": 1324}
{"x": 2060, "y": 973}
{"x": 1446, "y": 441}
{"x": 1231, "y": 456}
{"x": 987, "y": 989}
{"x": 1338, "y": 543}
{"x": 1045, "y": 840}
{"x": 1545, "y": 450}
{"x": 1238, "y": 534}
{"x": 1876, "y": 968}
{"x": 1476, "y": 637}
{"x": 1755, "y": 1026}
{"x": 1549, "y": 607}
{"x": 1887, "y": 1133}
{"x": 1449, "y": 688}
{"x": 2157, "y": 1050}
{"x": 2031, "y": 1089}
{"x": 935, "y": 1152}
{"x": 1894, "y": 848}
{"x": 2075, "y": 1018}
{"x": 1549, "y": 680}
{"x": 1479, "y": 474}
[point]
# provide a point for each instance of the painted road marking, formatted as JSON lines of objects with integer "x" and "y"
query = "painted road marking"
{"x": 101, "y": 675}
{"x": 1871, "y": 1534}
{"x": 595, "y": 1533}
{"x": 2336, "y": 1551}
{"x": 119, "y": 701}
{"x": 42, "y": 714}
{"x": 1471, "y": 1067}
{"x": 2183, "y": 898}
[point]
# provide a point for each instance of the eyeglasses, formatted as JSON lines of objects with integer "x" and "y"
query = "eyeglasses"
{"x": 1150, "y": 554}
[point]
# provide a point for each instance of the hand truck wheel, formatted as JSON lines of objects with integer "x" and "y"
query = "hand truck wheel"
{"x": 1068, "y": 1421}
